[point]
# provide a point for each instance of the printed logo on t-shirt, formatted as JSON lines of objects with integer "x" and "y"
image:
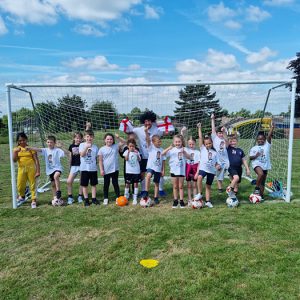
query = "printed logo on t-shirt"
{"x": 50, "y": 161}
{"x": 75, "y": 150}
{"x": 192, "y": 158}
{"x": 88, "y": 157}
{"x": 158, "y": 156}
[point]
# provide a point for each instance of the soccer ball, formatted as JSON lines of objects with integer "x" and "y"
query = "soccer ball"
{"x": 57, "y": 202}
{"x": 197, "y": 204}
{"x": 232, "y": 202}
{"x": 146, "y": 202}
{"x": 254, "y": 198}
{"x": 122, "y": 201}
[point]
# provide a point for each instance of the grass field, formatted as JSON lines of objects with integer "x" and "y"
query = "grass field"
{"x": 251, "y": 252}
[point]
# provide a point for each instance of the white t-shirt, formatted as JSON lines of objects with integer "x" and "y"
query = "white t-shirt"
{"x": 89, "y": 161}
{"x": 132, "y": 164}
{"x": 141, "y": 136}
{"x": 52, "y": 159}
{"x": 220, "y": 146}
{"x": 110, "y": 158}
{"x": 195, "y": 156}
{"x": 208, "y": 160}
{"x": 177, "y": 161}
{"x": 263, "y": 160}
{"x": 155, "y": 159}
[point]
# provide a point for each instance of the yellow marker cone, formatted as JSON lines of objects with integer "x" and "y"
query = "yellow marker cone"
{"x": 149, "y": 263}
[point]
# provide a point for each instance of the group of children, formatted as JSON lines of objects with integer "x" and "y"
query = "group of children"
{"x": 144, "y": 159}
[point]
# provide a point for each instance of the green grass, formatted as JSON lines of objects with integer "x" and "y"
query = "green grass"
{"x": 251, "y": 252}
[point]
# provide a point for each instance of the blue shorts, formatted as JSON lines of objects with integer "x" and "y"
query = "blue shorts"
{"x": 156, "y": 177}
{"x": 209, "y": 177}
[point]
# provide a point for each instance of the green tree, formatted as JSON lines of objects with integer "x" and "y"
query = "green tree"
{"x": 103, "y": 115}
{"x": 196, "y": 104}
{"x": 294, "y": 65}
{"x": 72, "y": 113}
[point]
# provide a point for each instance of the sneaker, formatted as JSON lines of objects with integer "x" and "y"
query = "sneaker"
{"x": 20, "y": 201}
{"x": 134, "y": 202}
{"x": 182, "y": 204}
{"x": 127, "y": 196}
{"x": 86, "y": 203}
{"x": 70, "y": 200}
{"x": 220, "y": 191}
{"x": 175, "y": 204}
{"x": 198, "y": 197}
{"x": 162, "y": 193}
{"x": 95, "y": 201}
{"x": 156, "y": 201}
{"x": 256, "y": 192}
{"x": 79, "y": 199}
{"x": 105, "y": 201}
{"x": 209, "y": 204}
{"x": 33, "y": 204}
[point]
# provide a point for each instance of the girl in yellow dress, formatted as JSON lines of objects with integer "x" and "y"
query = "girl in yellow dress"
{"x": 28, "y": 169}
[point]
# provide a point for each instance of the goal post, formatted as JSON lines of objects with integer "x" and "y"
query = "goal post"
{"x": 244, "y": 107}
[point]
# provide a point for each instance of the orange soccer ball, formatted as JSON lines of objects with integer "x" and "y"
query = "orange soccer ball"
{"x": 122, "y": 201}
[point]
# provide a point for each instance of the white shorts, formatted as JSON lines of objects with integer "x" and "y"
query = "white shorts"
{"x": 75, "y": 170}
{"x": 221, "y": 173}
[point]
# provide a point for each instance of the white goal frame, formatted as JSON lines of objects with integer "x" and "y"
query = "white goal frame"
{"x": 24, "y": 86}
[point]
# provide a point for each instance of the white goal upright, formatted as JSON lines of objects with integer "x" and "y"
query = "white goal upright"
{"x": 243, "y": 108}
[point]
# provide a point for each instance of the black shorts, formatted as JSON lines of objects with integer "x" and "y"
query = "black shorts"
{"x": 236, "y": 171}
{"x": 143, "y": 165}
{"x": 173, "y": 175}
{"x": 209, "y": 177}
{"x": 132, "y": 178}
{"x": 156, "y": 175}
{"x": 87, "y": 177}
{"x": 51, "y": 176}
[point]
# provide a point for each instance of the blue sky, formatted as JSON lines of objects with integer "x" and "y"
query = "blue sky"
{"x": 143, "y": 41}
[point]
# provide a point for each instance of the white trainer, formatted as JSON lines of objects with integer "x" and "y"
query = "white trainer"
{"x": 33, "y": 204}
{"x": 79, "y": 199}
{"x": 209, "y": 204}
{"x": 105, "y": 201}
{"x": 197, "y": 197}
{"x": 70, "y": 200}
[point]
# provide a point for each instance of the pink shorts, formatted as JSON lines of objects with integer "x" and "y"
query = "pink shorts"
{"x": 190, "y": 172}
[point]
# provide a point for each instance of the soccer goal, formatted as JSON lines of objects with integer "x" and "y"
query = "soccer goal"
{"x": 243, "y": 108}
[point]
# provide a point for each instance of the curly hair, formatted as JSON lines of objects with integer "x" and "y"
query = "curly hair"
{"x": 148, "y": 115}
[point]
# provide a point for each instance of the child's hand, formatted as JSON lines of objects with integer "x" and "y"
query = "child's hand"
{"x": 37, "y": 174}
{"x": 248, "y": 172}
{"x": 257, "y": 154}
{"x": 162, "y": 173}
{"x": 102, "y": 172}
{"x": 88, "y": 145}
{"x": 135, "y": 151}
{"x": 88, "y": 125}
{"x": 183, "y": 130}
{"x": 59, "y": 144}
{"x": 199, "y": 125}
{"x": 212, "y": 116}
{"x": 196, "y": 176}
{"x": 18, "y": 149}
{"x": 218, "y": 167}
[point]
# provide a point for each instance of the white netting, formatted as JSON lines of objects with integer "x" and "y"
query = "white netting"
{"x": 242, "y": 108}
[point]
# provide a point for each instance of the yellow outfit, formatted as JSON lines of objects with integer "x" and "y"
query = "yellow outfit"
{"x": 26, "y": 172}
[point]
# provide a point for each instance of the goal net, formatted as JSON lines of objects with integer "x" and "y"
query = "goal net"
{"x": 243, "y": 108}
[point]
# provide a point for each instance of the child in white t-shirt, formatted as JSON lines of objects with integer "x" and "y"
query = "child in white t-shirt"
{"x": 109, "y": 165}
{"x": 52, "y": 156}
{"x": 207, "y": 167}
{"x": 88, "y": 167}
{"x": 155, "y": 164}
{"x": 218, "y": 136}
{"x": 178, "y": 155}
{"x": 133, "y": 170}
{"x": 260, "y": 159}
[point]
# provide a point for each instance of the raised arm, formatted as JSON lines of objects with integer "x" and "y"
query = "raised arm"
{"x": 200, "y": 134}
{"x": 269, "y": 137}
{"x": 34, "y": 149}
{"x": 213, "y": 124}
{"x": 167, "y": 150}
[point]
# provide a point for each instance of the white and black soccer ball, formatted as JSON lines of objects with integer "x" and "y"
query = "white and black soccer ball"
{"x": 255, "y": 198}
{"x": 232, "y": 202}
{"x": 57, "y": 202}
{"x": 196, "y": 204}
{"x": 146, "y": 202}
